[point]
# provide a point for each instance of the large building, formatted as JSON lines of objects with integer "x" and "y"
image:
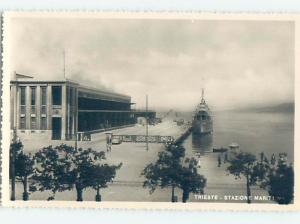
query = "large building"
{"x": 60, "y": 109}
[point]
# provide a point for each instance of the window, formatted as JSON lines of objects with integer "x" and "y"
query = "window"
{"x": 43, "y": 100}
{"x": 43, "y": 123}
{"x": 32, "y": 99}
{"x": 71, "y": 96}
{"x": 33, "y": 95}
{"x": 23, "y": 96}
{"x": 22, "y": 123}
{"x": 43, "y": 95}
{"x": 56, "y": 95}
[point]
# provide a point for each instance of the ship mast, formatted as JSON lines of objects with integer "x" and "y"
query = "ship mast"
{"x": 202, "y": 96}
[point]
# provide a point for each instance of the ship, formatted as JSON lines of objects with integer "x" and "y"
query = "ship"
{"x": 202, "y": 119}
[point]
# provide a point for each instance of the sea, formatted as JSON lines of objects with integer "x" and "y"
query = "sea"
{"x": 255, "y": 132}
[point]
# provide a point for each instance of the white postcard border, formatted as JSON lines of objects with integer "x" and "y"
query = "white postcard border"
{"x": 146, "y": 205}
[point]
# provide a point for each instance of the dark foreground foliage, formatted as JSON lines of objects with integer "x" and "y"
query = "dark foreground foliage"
{"x": 172, "y": 170}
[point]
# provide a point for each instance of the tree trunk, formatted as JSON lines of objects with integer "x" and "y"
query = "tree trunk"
{"x": 173, "y": 194}
{"x": 185, "y": 195}
{"x": 248, "y": 190}
{"x": 25, "y": 193}
{"x": 79, "y": 192}
{"x": 98, "y": 196}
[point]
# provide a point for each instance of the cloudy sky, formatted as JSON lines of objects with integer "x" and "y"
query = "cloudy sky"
{"x": 239, "y": 63}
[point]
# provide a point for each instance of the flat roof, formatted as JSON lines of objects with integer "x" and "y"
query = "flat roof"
{"x": 83, "y": 90}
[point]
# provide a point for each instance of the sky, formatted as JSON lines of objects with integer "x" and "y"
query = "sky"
{"x": 238, "y": 63}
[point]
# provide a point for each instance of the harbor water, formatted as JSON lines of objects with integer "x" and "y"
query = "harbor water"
{"x": 254, "y": 132}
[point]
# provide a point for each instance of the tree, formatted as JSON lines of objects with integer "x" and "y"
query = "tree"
{"x": 23, "y": 166}
{"x": 273, "y": 175}
{"x": 164, "y": 172}
{"x": 190, "y": 180}
{"x": 170, "y": 171}
{"x": 278, "y": 179}
{"x": 65, "y": 168}
{"x": 281, "y": 184}
{"x": 243, "y": 164}
{"x": 100, "y": 175}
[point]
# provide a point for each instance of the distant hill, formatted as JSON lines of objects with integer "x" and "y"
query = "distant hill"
{"x": 279, "y": 108}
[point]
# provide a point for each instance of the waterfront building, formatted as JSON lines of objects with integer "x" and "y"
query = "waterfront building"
{"x": 59, "y": 109}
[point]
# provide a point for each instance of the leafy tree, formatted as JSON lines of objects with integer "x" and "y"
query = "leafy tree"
{"x": 65, "y": 168}
{"x": 281, "y": 184}
{"x": 278, "y": 180}
{"x": 164, "y": 172}
{"x": 22, "y": 167}
{"x": 273, "y": 175}
{"x": 190, "y": 180}
{"x": 100, "y": 175}
{"x": 243, "y": 165}
{"x": 169, "y": 171}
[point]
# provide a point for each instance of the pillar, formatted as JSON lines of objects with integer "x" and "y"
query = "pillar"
{"x": 28, "y": 107}
{"x": 63, "y": 112}
{"x": 38, "y": 107}
{"x": 13, "y": 106}
{"x": 49, "y": 107}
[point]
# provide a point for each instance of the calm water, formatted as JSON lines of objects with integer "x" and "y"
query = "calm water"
{"x": 254, "y": 132}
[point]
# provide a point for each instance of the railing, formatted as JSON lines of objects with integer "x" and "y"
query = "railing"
{"x": 144, "y": 138}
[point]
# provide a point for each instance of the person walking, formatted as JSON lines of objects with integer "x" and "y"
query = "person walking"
{"x": 225, "y": 157}
{"x": 108, "y": 142}
{"x": 273, "y": 159}
{"x": 219, "y": 160}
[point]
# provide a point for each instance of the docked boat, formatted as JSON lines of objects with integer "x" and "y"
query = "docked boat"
{"x": 220, "y": 149}
{"x": 202, "y": 120}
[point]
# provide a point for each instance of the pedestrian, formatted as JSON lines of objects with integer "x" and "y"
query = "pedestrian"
{"x": 225, "y": 157}
{"x": 108, "y": 142}
{"x": 273, "y": 159}
{"x": 199, "y": 163}
{"x": 219, "y": 160}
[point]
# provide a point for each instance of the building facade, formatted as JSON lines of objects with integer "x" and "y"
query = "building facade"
{"x": 59, "y": 110}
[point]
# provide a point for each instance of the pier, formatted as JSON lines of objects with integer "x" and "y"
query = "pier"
{"x": 184, "y": 135}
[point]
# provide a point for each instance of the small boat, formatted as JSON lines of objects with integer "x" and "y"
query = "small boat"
{"x": 220, "y": 149}
{"x": 234, "y": 149}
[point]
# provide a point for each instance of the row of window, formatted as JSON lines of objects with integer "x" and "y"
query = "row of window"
{"x": 33, "y": 123}
{"x": 56, "y": 95}
{"x": 33, "y": 95}
{"x": 56, "y": 100}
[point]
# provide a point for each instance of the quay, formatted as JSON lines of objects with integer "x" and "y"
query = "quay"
{"x": 127, "y": 185}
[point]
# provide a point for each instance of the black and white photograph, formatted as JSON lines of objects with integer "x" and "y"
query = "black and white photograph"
{"x": 139, "y": 109}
